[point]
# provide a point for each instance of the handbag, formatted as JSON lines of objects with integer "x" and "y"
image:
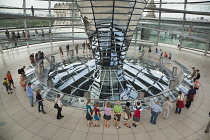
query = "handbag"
{"x": 56, "y": 106}
{"x": 22, "y": 83}
{"x": 178, "y": 103}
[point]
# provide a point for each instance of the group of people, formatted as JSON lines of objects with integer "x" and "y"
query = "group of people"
{"x": 166, "y": 56}
{"x": 68, "y": 49}
{"x": 117, "y": 112}
{"x": 38, "y": 56}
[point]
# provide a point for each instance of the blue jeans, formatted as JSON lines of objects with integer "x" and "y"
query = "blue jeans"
{"x": 178, "y": 110}
{"x": 31, "y": 99}
{"x": 154, "y": 117}
{"x": 40, "y": 104}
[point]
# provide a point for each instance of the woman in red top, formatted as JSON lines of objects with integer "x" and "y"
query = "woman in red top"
{"x": 9, "y": 77}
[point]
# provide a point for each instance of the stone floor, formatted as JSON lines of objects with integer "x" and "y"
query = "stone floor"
{"x": 23, "y": 122}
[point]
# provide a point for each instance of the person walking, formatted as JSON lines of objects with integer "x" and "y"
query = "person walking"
{"x": 190, "y": 97}
{"x": 32, "y": 10}
{"x": 29, "y": 92}
{"x": 167, "y": 105}
{"x": 127, "y": 115}
{"x": 169, "y": 58}
{"x": 23, "y": 34}
{"x": 179, "y": 46}
{"x": 83, "y": 45}
{"x": 67, "y": 49}
{"x": 89, "y": 113}
{"x": 22, "y": 81}
{"x": 208, "y": 126}
{"x": 18, "y": 35}
{"x": 9, "y": 77}
{"x": 155, "y": 110}
{"x": 77, "y": 48}
{"x": 107, "y": 115}
{"x": 179, "y": 102}
{"x": 59, "y": 107}
{"x": 37, "y": 34}
{"x": 137, "y": 114}
{"x": 61, "y": 51}
{"x": 40, "y": 100}
{"x": 117, "y": 113}
{"x": 96, "y": 116}
{"x": 7, "y": 85}
{"x": 43, "y": 35}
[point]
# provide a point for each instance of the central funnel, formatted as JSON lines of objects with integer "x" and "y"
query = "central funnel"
{"x": 110, "y": 25}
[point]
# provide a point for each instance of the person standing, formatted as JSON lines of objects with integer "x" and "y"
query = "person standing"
{"x": 197, "y": 75}
{"x": 139, "y": 48}
{"x": 179, "y": 46}
{"x": 22, "y": 81}
{"x": 156, "y": 52}
{"x": 7, "y": 34}
{"x": 208, "y": 126}
{"x": 61, "y": 51}
{"x": 167, "y": 105}
{"x": 179, "y": 102}
{"x": 89, "y": 113}
{"x": 67, "y": 49}
{"x": 18, "y": 35}
{"x": 77, "y": 48}
{"x": 37, "y": 34}
{"x": 7, "y": 86}
{"x": 190, "y": 97}
{"x": 22, "y": 70}
{"x": 28, "y": 34}
{"x": 149, "y": 52}
{"x": 193, "y": 73}
{"x": 59, "y": 107}
{"x": 137, "y": 114}
{"x": 96, "y": 116}
{"x": 107, "y": 115}
{"x": 196, "y": 84}
{"x": 83, "y": 45}
{"x": 29, "y": 92}
{"x": 86, "y": 46}
{"x": 23, "y": 34}
{"x": 155, "y": 110}
{"x": 127, "y": 115}
{"x": 39, "y": 100}
{"x": 161, "y": 53}
{"x": 117, "y": 113}
{"x": 9, "y": 77}
{"x": 32, "y": 10}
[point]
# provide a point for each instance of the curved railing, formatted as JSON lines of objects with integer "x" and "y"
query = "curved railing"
{"x": 36, "y": 76}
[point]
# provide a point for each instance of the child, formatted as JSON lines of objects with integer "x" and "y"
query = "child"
{"x": 6, "y": 83}
{"x": 107, "y": 115}
{"x": 96, "y": 116}
{"x": 137, "y": 114}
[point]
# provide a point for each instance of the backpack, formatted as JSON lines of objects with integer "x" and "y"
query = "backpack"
{"x": 5, "y": 84}
{"x": 19, "y": 71}
{"x": 137, "y": 112}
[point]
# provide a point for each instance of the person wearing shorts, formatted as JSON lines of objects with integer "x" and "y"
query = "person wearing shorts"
{"x": 96, "y": 116}
{"x": 9, "y": 77}
{"x": 107, "y": 115}
{"x": 88, "y": 113}
{"x": 117, "y": 114}
{"x": 137, "y": 114}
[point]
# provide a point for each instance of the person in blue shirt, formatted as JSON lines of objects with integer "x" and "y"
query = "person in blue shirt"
{"x": 155, "y": 110}
{"x": 29, "y": 92}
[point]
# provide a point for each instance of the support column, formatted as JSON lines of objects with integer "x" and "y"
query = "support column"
{"x": 183, "y": 24}
{"x": 172, "y": 84}
{"x": 25, "y": 25}
{"x": 49, "y": 83}
{"x": 41, "y": 70}
{"x": 50, "y": 31}
{"x": 52, "y": 59}
{"x": 158, "y": 34}
{"x": 174, "y": 71}
{"x": 207, "y": 46}
{"x": 72, "y": 22}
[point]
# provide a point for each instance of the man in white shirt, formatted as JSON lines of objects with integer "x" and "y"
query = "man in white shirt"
{"x": 155, "y": 110}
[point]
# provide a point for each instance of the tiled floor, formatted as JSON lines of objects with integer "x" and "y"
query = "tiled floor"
{"x": 23, "y": 122}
